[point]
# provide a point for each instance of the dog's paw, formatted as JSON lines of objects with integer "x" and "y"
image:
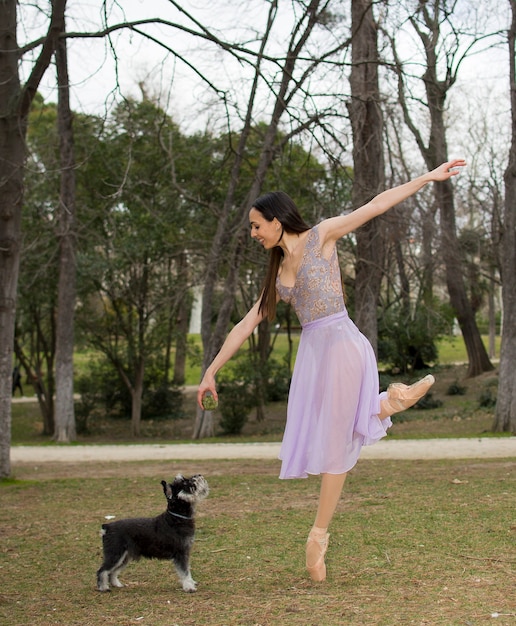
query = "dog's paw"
{"x": 190, "y": 586}
{"x": 103, "y": 590}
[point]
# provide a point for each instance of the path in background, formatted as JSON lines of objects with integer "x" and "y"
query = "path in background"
{"x": 478, "y": 448}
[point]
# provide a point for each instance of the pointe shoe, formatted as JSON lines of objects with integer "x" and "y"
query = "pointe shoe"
{"x": 319, "y": 543}
{"x": 401, "y": 397}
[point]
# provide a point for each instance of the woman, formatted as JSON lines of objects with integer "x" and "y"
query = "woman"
{"x": 334, "y": 405}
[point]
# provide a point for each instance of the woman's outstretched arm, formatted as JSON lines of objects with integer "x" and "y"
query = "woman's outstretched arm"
{"x": 336, "y": 227}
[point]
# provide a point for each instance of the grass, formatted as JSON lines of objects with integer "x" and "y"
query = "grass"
{"x": 412, "y": 543}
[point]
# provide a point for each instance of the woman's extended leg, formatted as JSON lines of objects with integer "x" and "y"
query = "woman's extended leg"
{"x": 317, "y": 543}
{"x": 401, "y": 397}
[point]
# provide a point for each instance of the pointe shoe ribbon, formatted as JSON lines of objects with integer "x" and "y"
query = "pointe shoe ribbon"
{"x": 401, "y": 397}
{"x": 317, "y": 543}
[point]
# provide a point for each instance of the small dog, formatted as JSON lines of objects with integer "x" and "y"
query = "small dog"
{"x": 167, "y": 536}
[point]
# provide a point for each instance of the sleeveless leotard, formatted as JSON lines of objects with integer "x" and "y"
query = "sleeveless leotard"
{"x": 334, "y": 397}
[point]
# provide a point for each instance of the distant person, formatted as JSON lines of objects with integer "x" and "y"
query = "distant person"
{"x": 17, "y": 380}
{"x": 334, "y": 405}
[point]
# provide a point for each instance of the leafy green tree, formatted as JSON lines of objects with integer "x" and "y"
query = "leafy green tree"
{"x": 408, "y": 338}
{"x": 136, "y": 276}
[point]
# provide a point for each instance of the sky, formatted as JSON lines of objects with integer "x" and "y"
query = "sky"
{"x": 98, "y": 82}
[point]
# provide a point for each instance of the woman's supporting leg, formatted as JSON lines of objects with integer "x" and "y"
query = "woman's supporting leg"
{"x": 317, "y": 543}
{"x": 329, "y": 496}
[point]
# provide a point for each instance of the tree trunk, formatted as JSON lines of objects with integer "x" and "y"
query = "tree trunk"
{"x": 477, "y": 354}
{"x": 11, "y": 196}
{"x": 232, "y": 221}
{"x": 182, "y": 323}
{"x": 367, "y": 125}
{"x": 136, "y": 398}
{"x": 181, "y": 343}
{"x": 263, "y": 350}
{"x": 14, "y": 109}
{"x": 65, "y": 430}
{"x": 435, "y": 152}
{"x": 505, "y": 416}
{"x": 491, "y": 350}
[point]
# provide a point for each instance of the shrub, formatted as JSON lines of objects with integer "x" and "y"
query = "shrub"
{"x": 488, "y": 395}
{"x": 487, "y": 398}
{"x": 165, "y": 402}
{"x": 455, "y": 389}
{"x": 235, "y": 403}
{"x": 102, "y": 390}
{"x": 278, "y": 381}
{"x": 408, "y": 342}
{"x": 243, "y": 384}
{"x": 428, "y": 402}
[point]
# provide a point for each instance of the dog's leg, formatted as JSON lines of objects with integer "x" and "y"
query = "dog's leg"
{"x": 182, "y": 566}
{"x": 109, "y": 571}
{"x": 103, "y": 580}
{"x": 115, "y": 573}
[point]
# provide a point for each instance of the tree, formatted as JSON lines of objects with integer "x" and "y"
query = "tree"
{"x": 134, "y": 274}
{"x": 428, "y": 22}
{"x": 367, "y": 123}
{"x": 36, "y": 312}
{"x": 65, "y": 430}
{"x": 505, "y": 417}
{"x": 297, "y": 172}
{"x": 15, "y": 101}
{"x": 291, "y": 98}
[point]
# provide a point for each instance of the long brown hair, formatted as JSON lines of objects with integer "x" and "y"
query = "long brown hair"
{"x": 279, "y": 205}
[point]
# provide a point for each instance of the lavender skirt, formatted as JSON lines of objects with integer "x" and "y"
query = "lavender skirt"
{"x": 334, "y": 400}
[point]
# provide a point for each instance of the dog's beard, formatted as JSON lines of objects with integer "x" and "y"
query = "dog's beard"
{"x": 195, "y": 488}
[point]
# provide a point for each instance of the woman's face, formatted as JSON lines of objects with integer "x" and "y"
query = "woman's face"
{"x": 264, "y": 232}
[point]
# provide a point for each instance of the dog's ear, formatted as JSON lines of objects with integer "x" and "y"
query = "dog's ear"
{"x": 167, "y": 489}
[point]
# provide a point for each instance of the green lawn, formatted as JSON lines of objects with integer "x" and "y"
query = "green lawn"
{"x": 423, "y": 543}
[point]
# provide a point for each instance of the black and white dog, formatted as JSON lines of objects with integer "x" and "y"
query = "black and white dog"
{"x": 167, "y": 536}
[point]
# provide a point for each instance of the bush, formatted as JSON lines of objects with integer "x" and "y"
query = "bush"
{"x": 102, "y": 390}
{"x": 278, "y": 381}
{"x": 165, "y": 402}
{"x": 488, "y": 395}
{"x": 235, "y": 403}
{"x": 409, "y": 342}
{"x": 455, "y": 389}
{"x": 487, "y": 398}
{"x": 428, "y": 402}
{"x": 243, "y": 384}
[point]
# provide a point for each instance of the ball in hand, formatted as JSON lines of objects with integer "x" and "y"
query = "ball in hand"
{"x": 209, "y": 403}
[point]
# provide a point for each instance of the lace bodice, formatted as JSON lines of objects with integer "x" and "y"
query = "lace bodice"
{"x": 317, "y": 291}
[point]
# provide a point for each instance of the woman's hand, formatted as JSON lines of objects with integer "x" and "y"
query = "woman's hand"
{"x": 446, "y": 170}
{"x": 207, "y": 384}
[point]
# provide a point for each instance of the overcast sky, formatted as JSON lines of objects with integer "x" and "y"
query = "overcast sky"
{"x": 482, "y": 90}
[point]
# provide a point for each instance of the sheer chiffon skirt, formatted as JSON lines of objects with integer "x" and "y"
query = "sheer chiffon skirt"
{"x": 334, "y": 400}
